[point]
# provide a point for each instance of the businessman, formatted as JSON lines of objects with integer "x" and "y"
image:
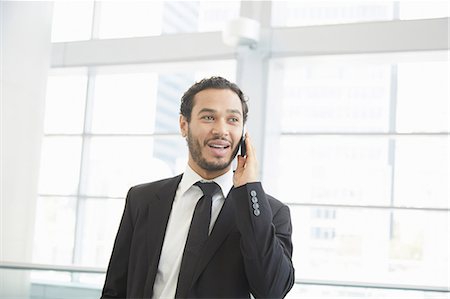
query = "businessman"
{"x": 210, "y": 232}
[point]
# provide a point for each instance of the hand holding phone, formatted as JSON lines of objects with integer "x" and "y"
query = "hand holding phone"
{"x": 242, "y": 146}
{"x": 247, "y": 167}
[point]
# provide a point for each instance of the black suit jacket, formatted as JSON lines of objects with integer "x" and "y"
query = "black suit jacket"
{"x": 248, "y": 251}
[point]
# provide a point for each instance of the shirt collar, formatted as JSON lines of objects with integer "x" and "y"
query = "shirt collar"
{"x": 190, "y": 177}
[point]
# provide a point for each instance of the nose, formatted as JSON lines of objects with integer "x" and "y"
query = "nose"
{"x": 220, "y": 128}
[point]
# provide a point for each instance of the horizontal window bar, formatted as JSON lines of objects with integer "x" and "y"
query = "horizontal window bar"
{"x": 354, "y": 284}
{"x": 375, "y": 134}
{"x": 63, "y": 268}
{"x": 82, "y": 196}
{"x": 112, "y": 135}
{"x": 306, "y": 204}
{"x": 148, "y": 49}
{"x": 365, "y": 134}
{"x": 310, "y": 204}
{"x": 392, "y": 36}
{"x": 47, "y": 267}
{"x": 369, "y": 134}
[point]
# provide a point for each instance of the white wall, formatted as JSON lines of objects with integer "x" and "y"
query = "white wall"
{"x": 25, "y": 58}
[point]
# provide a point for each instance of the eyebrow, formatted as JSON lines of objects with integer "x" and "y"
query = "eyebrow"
{"x": 233, "y": 111}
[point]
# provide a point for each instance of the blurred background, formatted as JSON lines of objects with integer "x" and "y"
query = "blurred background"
{"x": 349, "y": 111}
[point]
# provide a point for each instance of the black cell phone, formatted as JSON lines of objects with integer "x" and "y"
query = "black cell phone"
{"x": 242, "y": 146}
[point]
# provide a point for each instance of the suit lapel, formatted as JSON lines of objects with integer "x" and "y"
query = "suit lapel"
{"x": 158, "y": 216}
{"x": 222, "y": 227}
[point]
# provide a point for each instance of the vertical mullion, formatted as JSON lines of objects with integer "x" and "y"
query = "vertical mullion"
{"x": 396, "y": 10}
{"x": 392, "y": 142}
{"x": 95, "y": 30}
{"x": 252, "y": 73}
{"x": 85, "y": 143}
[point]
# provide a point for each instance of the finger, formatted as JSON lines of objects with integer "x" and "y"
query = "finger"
{"x": 241, "y": 162}
{"x": 249, "y": 146}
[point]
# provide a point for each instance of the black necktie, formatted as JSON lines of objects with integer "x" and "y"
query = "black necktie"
{"x": 197, "y": 236}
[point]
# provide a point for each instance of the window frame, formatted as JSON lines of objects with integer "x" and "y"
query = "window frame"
{"x": 431, "y": 36}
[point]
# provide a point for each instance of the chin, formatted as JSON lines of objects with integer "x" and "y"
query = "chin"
{"x": 216, "y": 165}
{"x": 222, "y": 160}
{"x": 219, "y": 164}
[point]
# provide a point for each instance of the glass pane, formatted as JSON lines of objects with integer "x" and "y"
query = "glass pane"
{"x": 334, "y": 170}
{"x": 129, "y": 18}
{"x": 306, "y": 13}
{"x": 334, "y": 292}
{"x": 213, "y": 15}
{"x": 171, "y": 87}
{"x": 51, "y": 290}
{"x": 38, "y": 284}
{"x": 222, "y": 68}
{"x": 116, "y": 163}
{"x": 367, "y": 245}
{"x": 72, "y": 20}
{"x": 60, "y": 165}
{"x": 410, "y": 10}
{"x": 97, "y": 237}
{"x": 65, "y": 103}
{"x": 138, "y": 18}
{"x": 331, "y": 97}
{"x": 423, "y": 97}
{"x": 54, "y": 231}
{"x": 124, "y": 103}
{"x": 422, "y": 166}
{"x": 180, "y": 16}
{"x": 93, "y": 281}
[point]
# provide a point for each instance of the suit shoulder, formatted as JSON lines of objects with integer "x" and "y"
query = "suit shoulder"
{"x": 146, "y": 189}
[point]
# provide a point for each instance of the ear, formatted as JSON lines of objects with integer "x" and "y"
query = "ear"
{"x": 183, "y": 126}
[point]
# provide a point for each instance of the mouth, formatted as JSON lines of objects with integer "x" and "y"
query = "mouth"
{"x": 219, "y": 148}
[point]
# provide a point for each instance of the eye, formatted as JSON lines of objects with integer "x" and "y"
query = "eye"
{"x": 234, "y": 119}
{"x": 208, "y": 117}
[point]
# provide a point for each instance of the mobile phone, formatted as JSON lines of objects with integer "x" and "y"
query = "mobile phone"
{"x": 242, "y": 145}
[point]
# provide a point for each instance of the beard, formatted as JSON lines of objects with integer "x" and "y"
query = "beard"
{"x": 195, "y": 150}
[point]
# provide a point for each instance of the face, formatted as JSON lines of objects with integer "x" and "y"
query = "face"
{"x": 214, "y": 132}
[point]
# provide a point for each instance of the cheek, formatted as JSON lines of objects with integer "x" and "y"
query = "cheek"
{"x": 199, "y": 135}
{"x": 237, "y": 137}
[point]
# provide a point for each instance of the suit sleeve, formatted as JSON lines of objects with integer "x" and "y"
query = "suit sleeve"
{"x": 116, "y": 275}
{"x": 266, "y": 243}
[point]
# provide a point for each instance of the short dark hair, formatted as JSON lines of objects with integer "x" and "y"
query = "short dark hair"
{"x": 187, "y": 100}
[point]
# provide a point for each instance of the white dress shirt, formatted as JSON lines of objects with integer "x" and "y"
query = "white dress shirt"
{"x": 177, "y": 230}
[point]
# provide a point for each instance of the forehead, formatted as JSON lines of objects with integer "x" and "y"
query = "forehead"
{"x": 217, "y": 99}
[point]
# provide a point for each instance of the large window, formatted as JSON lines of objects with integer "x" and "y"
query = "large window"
{"x": 106, "y": 130}
{"x": 361, "y": 157}
{"x": 307, "y": 13}
{"x": 353, "y": 135}
{"x": 84, "y": 20}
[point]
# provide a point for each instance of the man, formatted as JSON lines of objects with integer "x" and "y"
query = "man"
{"x": 246, "y": 244}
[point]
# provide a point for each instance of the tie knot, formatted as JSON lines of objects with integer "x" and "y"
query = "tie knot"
{"x": 209, "y": 188}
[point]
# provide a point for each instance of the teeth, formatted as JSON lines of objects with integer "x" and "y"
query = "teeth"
{"x": 218, "y": 146}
